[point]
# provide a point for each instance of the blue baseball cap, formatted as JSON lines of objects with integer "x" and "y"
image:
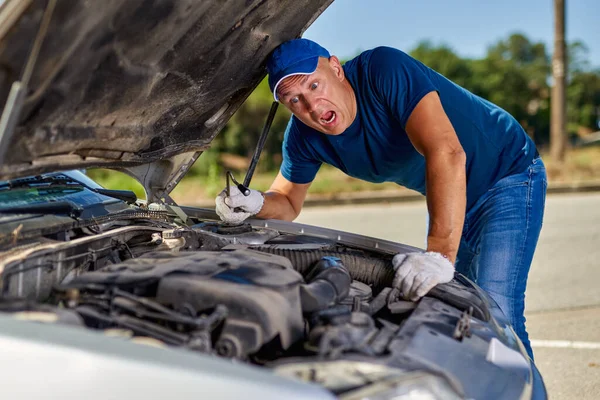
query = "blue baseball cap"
{"x": 294, "y": 57}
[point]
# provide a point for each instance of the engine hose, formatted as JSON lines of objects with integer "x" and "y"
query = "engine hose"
{"x": 328, "y": 283}
{"x": 377, "y": 272}
{"x": 369, "y": 270}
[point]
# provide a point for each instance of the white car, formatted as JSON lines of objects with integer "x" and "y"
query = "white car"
{"x": 103, "y": 296}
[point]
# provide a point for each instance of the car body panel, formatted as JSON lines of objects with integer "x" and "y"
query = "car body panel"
{"x": 79, "y": 363}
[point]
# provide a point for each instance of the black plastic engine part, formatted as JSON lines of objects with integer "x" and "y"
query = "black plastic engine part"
{"x": 328, "y": 283}
{"x": 376, "y": 272}
{"x": 301, "y": 239}
{"x": 224, "y": 229}
{"x": 461, "y": 296}
{"x": 360, "y": 291}
{"x": 349, "y": 333}
{"x": 259, "y": 291}
{"x": 369, "y": 270}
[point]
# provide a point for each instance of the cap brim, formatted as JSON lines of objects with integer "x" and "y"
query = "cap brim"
{"x": 304, "y": 67}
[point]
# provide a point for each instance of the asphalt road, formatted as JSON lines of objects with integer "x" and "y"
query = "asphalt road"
{"x": 563, "y": 293}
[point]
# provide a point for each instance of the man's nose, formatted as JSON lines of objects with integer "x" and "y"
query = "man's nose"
{"x": 309, "y": 102}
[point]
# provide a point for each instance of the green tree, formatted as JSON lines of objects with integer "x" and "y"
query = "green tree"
{"x": 514, "y": 75}
{"x": 443, "y": 60}
{"x": 583, "y": 101}
{"x": 583, "y": 91}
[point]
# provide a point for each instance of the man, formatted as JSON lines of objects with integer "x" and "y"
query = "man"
{"x": 384, "y": 116}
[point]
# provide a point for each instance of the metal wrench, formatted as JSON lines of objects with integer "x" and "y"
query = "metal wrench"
{"x": 245, "y": 191}
{"x": 257, "y": 152}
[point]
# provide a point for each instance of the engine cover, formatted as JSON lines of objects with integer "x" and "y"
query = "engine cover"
{"x": 260, "y": 291}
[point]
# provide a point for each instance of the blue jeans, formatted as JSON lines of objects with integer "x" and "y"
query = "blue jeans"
{"x": 499, "y": 238}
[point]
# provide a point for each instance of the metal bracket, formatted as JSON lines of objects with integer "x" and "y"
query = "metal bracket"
{"x": 180, "y": 213}
{"x": 463, "y": 326}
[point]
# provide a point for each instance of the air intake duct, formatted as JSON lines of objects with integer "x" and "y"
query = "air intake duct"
{"x": 369, "y": 270}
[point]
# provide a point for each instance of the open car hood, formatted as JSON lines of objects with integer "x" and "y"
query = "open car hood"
{"x": 142, "y": 86}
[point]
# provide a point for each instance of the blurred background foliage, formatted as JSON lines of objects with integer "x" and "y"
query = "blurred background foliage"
{"x": 515, "y": 74}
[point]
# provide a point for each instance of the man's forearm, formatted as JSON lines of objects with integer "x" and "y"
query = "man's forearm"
{"x": 277, "y": 206}
{"x": 446, "y": 201}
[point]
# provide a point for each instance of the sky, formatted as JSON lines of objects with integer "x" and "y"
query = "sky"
{"x": 468, "y": 26}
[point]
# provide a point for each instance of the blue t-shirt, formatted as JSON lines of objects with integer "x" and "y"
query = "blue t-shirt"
{"x": 388, "y": 85}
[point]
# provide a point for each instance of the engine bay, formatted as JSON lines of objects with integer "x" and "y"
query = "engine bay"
{"x": 243, "y": 292}
{"x": 235, "y": 291}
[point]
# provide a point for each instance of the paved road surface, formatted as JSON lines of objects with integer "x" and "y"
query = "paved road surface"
{"x": 563, "y": 294}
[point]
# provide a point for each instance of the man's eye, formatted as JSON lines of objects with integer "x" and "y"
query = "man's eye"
{"x": 294, "y": 100}
{"x": 314, "y": 85}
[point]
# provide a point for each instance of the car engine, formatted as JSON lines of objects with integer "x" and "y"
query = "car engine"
{"x": 242, "y": 292}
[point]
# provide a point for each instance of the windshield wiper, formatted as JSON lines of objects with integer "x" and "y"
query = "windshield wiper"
{"x": 57, "y": 207}
{"x": 127, "y": 196}
{"x": 33, "y": 181}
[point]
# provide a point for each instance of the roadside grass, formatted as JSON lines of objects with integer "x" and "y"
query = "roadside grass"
{"x": 205, "y": 180}
{"x": 581, "y": 165}
{"x": 202, "y": 188}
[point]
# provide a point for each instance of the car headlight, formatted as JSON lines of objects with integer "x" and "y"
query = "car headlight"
{"x": 356, "y": 380}
{"x": 413, "y": 386}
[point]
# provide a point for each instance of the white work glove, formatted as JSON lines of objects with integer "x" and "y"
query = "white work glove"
{"x": 417, "y": 273}
{"x": 237, "y": 207}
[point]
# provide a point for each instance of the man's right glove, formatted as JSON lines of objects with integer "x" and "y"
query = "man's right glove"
{"x": 417, "y": 273}
{"x": 237, "y": 207}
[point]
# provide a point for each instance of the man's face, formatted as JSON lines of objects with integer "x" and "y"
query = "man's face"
{"x": 322, "y": 100}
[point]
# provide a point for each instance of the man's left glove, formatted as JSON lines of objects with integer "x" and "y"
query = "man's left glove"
{"x": 417, "y": 273}
{"x": 237, "y": 207}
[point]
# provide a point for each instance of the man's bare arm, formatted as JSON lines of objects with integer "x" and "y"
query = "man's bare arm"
{"x": 283, "y": 200}
{"x": 432, "y": 134}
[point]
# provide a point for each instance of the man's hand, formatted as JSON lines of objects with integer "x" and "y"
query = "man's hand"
{"x": 237, "y": 207}
{"x": 417, "y": 273}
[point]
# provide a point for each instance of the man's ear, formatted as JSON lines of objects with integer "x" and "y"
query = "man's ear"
{"x": 336, "y": 66}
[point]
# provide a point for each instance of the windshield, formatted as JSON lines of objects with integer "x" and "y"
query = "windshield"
{"x": 69, "y": 186}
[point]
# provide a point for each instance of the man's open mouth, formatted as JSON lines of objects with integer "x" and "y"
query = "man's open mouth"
{"x": 328, "y": 117}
